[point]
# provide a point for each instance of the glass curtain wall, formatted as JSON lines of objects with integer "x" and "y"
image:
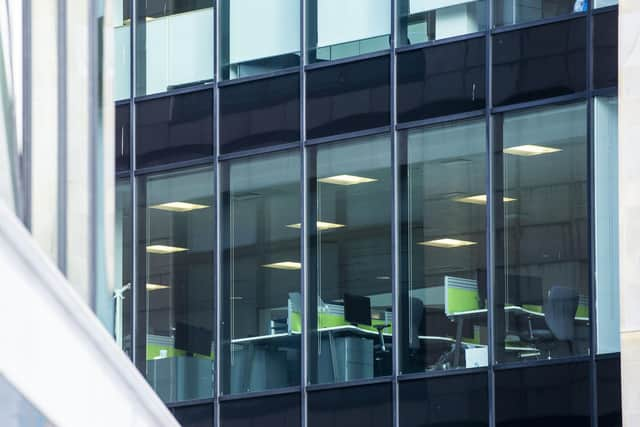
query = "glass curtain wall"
{"x": 509, "y": 12}
{"x": 541, "y": 283}
{"x": 443, "y": 286}
{"x": 425, "y": 20}
{"x": 122, "y": 49}
{"x": 339, "y": 29}
{"x": 174, "y": 44}
{"x": 350, "y": 302}
{"x": 247, "y": 51}
{"x": 262, "y": 306}
{"x": 123, "y": 289}
{"x": 176, "y": 229}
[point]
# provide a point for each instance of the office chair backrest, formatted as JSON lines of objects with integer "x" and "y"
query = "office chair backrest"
{"x": 417, "y": 313}
{"x": 560, "y": 310}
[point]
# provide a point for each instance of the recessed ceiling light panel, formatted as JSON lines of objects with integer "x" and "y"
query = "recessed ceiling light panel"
{"x": 178, "y": 206}
{"x": 447, "y": 243}
{"x": 164, "y": 249}
{"x": 529, "y": 150}
{"x": 346, "y": 180}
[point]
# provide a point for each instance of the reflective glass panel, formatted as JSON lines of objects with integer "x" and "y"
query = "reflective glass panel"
{"x": 262, "y": 270}
{"x": 123, "y": 293}
{"x": 350, "y": 260}
{"x": 174, "y": 44}
{"x": 122, "y": 49}
{"x": 339, "y": 29}
{"x": 609, "y": 392}
{"x": 369, "y": 406}
{"x": 425, "y": 20}
{"x": 176, "y": 282}
{"x": 194, "y": 415}
{"x": 606, "y": 224}
{"x": 123, "y": 137}
{"x": 541, "y": 278}
{"x": 604, "y": 3}
{"x": 508, "y": 12}
{"x": 443, "y": 258}
{"x": 259, "y": 36}
{"x": 605, "y": 50}
{"x": 280, "y": 410}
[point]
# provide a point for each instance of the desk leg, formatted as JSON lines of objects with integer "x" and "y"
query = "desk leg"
{"x": 334, "y": 358}
{"x": 456, "y": 352}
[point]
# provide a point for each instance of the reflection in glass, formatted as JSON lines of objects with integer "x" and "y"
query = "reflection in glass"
{"x": 123, "y": 292}
{"x": 176, "y": 282}
{"x": 122, "y": 49}
{"x": 350, "y": 255}
{"x": 369, "y": 405}
{"x": 259, "y": 36}
{"x": 425, "y": 20}
{"x": 443, "y": 287}
{"x": 604, "y": 3}
{"x": 122, "y": 137}
{"x": 606, "y": 224}
{"x": 542, "y": 271}
{"x": 339, "y": 29}
{"x": 174, "y": 44}
{"x": 508, "y": 12}
{"x": 261, "y": 287}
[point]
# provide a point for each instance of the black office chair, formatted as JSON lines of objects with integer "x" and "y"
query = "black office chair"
{"x": 417, "y": 313}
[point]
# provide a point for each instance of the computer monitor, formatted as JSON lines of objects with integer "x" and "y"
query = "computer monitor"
{"x": 193, "y": 339}
{"x": 357, "y": 309}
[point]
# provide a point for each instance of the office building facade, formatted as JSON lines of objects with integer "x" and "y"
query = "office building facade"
{"x": 370, "y": 212}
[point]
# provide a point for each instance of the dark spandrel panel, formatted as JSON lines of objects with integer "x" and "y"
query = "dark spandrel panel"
{"x": 194, "y": 416}
{"x": 605, "y": 50}
{"x": 441, "y": 80}
{"x": 539, "y": 62}
{"x": 260, "y": 113}
{"x": 609, "y": 393}
{"x": 550, "y": 396}
{"x": 369, "y": 406}
{"x": 458, "y": 400}
{"x": 348, "y": 97}
{"x": 277, "y": 411}
{"x": 122, "y": 137}
{"x": 173, "y": 129}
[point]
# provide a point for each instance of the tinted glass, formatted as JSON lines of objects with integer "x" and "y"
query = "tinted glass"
{"x": 443, "y": 259}
{"x": 542, "y": 235}
{"x": 605, "y": 50}
{"x": 122, "y": 49}
{"x": 421, "y": 21}
{"x": 259, "y": 36}
{"x": 441, "y": 80}
{"x": 260, "y": 113}
{"x": 609, "y": 393}
{"x": 352, "y": 406}
{"x": 174, "y": 44}
{"x": 175, "y": 128}
{"x": 553, "y": 396}
{"x": 458, "y": 400}
{"x": 176, "y": 300}
{"x": 337, "y": 29}
{"x": 123, "y": 137}
{"x": 348, "y": 97}
{"x": 603, "y": 3}
{"x": 262, "y": 305}
{"x": 280, "y": 410}
{"x": 350, "y": 255}
{"x": 194, "y": 415}
{"x": 509, "y": 12}
{"x": 123, "y": 243}
{"x": 539, "y": 62}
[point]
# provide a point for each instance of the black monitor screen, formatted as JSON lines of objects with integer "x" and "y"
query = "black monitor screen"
{"x": 193, "y": 339}
{"x": 357, "y": 309}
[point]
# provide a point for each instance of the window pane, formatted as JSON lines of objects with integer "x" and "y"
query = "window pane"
{"x": 276, "y": 45}
{"x": 194, "y": 415}
{"x": 123, "y": 293}
{"x": 338, "y": 29}
{"x": 369, "y": 406}
{"x": 122, "y": 49}
{"x": 609, "y": 392}
{"x": 175, "y": 296}
{"x": 425, "y": 20}
{"x": 174, "y": 128}
{"x": 603, "y": 3}
{"x": 542, "y": 236}
{"x": 539, "y": 62}
{"x": 348, "y": 97}
{"x": 606, "y": 224}
{"x": 123, "y": 137}
{"x": 549, "y": 395}
{"x": 456, "y": 400}
{"x": 279, "y": 410}
{"x": 249, "y": 120}
{"x": 261, "y": 288}
{"x": 605, "y": 50}
{"x": 509, "y": 12}
{"x": 443, "y": 258}
{"x": 350, "y": 254}
{"x": 174, "y": 44}
{"x": 441, "y": 80}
